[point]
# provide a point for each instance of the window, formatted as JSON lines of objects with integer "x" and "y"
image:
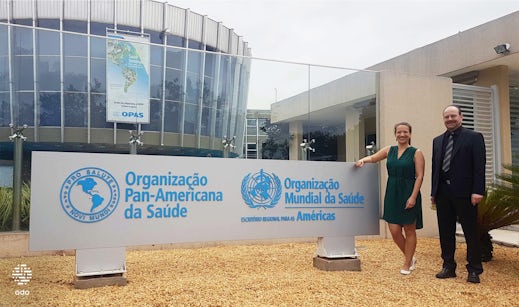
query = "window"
{"x": 5, "y": 112}
{"x": 49, "y": 73}
{"x": 47, "y": 42}
{"x": 50, "y": 109}
{"x": 75, "y": 110}
{"x": 75, "y": 74}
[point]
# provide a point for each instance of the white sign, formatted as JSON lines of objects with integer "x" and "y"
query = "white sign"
{"x": 127, "y": 79}
{"x": 84, "y": 200}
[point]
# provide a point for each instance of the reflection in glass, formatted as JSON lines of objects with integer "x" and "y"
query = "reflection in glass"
{"x": 173, "y": 84}
{"x": 156, "y": 82}
{"x": 172, "y": 116}
{"x": 275, "y": 140}
{"x": 3, "y": 40}
{"x": 210, "y": 65}
{"x": 23, "y": 109}
{"x": 207, "y": 95}
{"x": 190, "y": 118}
{"x": 155, "y": 116}
{"x": 4, "y": 73}
{"x": 49, "y": 73}
{"x": 22, "y": 41}
{"x": 98, "y": 47}
{"x": 75, "y": 109}
{"x": 219, "y": 124}
{"x": 327, "y": 138}
{"x": 74, "y": 45}
{"x": 194, "y": 61}
{"x": 5, "y": 112}
{"x": 98, "y": 76}
{"x": 174, "y": 58}
{"x": 75, "y": 71}
{"x": 207, "y": 121}
{"x": 156, "y": 53}
{"x": 98, "y": 112}
{"x": 192, "y": 88}
{"x": 50, "y": 109}
{"x": 47, "y": 42}
{"x": 22, "y": 80}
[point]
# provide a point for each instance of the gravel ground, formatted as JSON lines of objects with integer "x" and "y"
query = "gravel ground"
{"x": 270, "y": 275}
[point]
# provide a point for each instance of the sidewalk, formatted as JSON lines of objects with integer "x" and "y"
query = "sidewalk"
{"x": 507, "y": 236}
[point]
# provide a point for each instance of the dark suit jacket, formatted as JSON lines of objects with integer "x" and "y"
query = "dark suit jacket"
{"x": 467, "y": 172}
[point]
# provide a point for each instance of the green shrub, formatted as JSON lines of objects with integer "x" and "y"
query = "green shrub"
{"x": 6, "y": 208}
{"x": 499, "y": 208}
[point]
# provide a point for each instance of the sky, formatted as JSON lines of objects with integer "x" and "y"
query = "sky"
{"x": 345, "y": 33}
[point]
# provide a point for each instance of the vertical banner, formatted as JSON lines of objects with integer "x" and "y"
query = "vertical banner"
{"x": 127, "y": 79}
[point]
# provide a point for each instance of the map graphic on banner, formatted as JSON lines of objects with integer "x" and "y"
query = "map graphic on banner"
{"x": 128, "y": 79}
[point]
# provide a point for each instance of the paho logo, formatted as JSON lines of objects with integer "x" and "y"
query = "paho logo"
{"x": 89, "y": 195}
{"x": 129, "y": 114}
{"x": 133, "y": 114}
{"x": 261, "y": 190}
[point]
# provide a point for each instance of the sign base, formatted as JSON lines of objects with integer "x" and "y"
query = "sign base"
{"x": 86, "y": 282}
{"x": 337, "y": 264}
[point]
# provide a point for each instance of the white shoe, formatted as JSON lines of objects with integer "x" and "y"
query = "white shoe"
{"x": 405, "y": 272}
{"x": 413, "y": 262}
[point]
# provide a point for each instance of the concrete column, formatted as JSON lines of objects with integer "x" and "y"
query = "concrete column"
{"x": 296, "y": 137}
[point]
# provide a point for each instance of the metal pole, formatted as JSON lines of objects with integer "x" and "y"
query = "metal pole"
{"x": 228, "y": 145}
{"x": 305, "y": 148}
{"x": 135, "y": 139}
{"x": 18, "y": 138}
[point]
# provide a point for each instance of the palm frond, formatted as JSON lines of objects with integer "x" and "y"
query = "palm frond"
{"x": 501, "y": 205}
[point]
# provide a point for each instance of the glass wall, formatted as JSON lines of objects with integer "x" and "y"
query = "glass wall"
{"x": 196, "y": 98}
{"x": 316, "y": 113}
{"x": 58, "y": 80}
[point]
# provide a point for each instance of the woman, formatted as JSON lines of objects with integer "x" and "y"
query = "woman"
{"x": 402, "y": 202}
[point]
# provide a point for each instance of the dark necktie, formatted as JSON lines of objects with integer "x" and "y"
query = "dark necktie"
{"x": 446, "y": 165}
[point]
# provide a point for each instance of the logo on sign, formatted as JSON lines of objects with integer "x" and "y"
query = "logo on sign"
{"x": 89, "y": 195}
{"x": 261, "y": 189}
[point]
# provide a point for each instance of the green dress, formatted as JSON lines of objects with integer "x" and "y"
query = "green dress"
{"x": 400, "y": 183}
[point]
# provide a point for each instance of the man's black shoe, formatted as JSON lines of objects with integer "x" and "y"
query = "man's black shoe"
{"x": 473, "y": 278}
{"x": 446, "y": 273}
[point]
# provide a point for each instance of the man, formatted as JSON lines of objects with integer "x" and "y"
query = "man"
{"x": 458, "y": 185}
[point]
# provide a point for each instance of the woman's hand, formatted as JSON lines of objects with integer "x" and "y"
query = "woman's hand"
{"x": 363, "y": 161}
{"x": 411, "y": 201}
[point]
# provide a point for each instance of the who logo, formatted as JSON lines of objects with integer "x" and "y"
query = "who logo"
{"x": 261, "y": 190}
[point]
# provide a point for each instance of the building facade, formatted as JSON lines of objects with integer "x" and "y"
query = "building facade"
{"x": 54, "y": 79}
{"x": 476, "y": 69}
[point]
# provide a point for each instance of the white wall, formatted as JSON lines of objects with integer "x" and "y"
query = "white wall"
{"x": 418, "y": 100}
